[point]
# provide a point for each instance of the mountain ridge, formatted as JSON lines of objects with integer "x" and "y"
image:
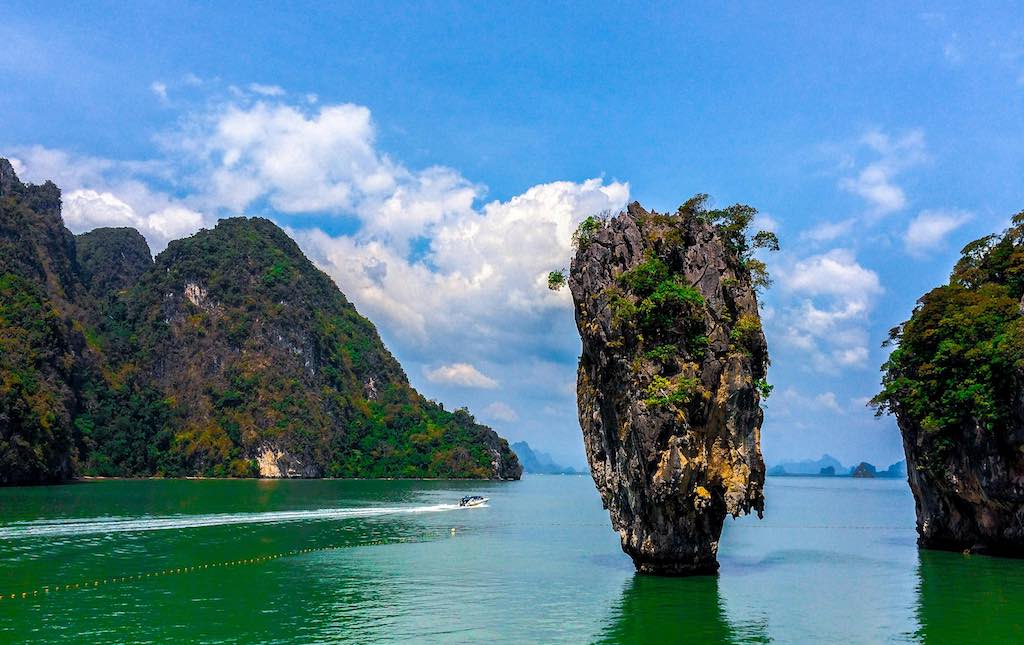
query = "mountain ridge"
{"x": 539, "y": 462}
{"x": 229, "y": 354}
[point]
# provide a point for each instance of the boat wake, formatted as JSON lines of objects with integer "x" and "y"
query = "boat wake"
{"x": 101, "y": 525}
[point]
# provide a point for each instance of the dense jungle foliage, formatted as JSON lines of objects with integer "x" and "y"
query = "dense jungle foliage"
{"x": 40, "y": 346}
{"x": 957, "y": 362}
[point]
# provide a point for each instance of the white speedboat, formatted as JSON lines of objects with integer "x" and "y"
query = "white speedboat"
{"x": 472, "y": 500}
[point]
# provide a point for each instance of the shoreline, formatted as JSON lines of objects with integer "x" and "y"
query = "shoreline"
{"x": 85, "y": 479}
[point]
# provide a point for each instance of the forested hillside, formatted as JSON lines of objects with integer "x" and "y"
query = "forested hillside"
{"x": 230, "y": 355}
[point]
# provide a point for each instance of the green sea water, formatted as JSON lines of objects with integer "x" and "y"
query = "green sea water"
{"x": 361, "y": 561}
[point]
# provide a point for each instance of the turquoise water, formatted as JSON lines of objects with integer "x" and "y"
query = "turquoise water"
{"x": 326, "y": 561}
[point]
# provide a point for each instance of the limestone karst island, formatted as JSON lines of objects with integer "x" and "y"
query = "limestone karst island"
{"x": 523, "y": 323}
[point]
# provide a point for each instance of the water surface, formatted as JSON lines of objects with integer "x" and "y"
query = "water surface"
{"x": 327, "y": 561}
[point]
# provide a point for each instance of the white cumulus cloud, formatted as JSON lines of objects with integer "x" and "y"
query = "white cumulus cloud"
{"x": 876, "y": 181}
{"x": 480, "y": 286}
{"x": 102, "y": 192}
{"x": 318, "y": 160}
{"x": 834, "y": 273}
{"x": 828, "y": 231}
{"x": 160, "y": 89}
{"x": 456, "y": 285}
{"x": 462, "y": 374}
{"x": 830, "y": 296}
{"x": 173, "y": 222}
{"x": 266, "y": 90}
{"x": 928, "y": 231}
{"x": 85, "y": 210}
{"x": 501, "y": 412}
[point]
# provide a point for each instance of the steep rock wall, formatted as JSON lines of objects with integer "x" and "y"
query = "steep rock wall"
{"x": 669, "y": 381}
{"x": 955, "y": 382}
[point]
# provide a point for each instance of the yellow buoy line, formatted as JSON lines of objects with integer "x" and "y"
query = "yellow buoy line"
{"x": 99, "y": 582}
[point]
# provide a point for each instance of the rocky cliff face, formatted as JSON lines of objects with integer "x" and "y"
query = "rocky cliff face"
{"x": 282, "y": 375}
{"x": 41, "y": 346}
{"x": 229, "y": 355}
{"x": 670, "y": 378}
{"x": 972, "y": 498}
{"x": 956, "y": 385}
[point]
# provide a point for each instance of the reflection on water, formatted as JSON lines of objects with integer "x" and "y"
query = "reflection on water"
{"x": 674, "y": 610}
{"x": 970, "y": 599}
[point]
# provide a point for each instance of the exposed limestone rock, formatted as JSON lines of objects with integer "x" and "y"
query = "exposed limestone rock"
{"x": 973, "y": 499}
{"x": 279, "y": 464}
{"x": 197, "y": 295}
{"x": 955, "y": 382}
{"x": 668, "y": 383}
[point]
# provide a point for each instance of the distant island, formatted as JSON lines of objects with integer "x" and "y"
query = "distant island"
{"x": 540, "y": 463}
{"x": 829, "y": 466}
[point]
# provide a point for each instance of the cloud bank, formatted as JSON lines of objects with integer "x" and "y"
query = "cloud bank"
{"x": 456, "y": 282}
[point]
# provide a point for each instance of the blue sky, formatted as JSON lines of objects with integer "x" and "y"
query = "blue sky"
{"x": 434, "y": 157}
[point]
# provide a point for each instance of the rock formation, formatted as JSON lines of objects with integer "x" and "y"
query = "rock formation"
{"x": 538, "y": 462}
{"x": 955, "y": 382}
{"x": 671, "y": 377}
{"x": 229, "y": 355}
{"x": 43, "y": 352}
{"x": 863, "y": 470}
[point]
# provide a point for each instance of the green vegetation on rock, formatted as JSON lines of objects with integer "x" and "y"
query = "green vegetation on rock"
{"x": 556, "y": 279}
{"x": 666, "y": 315}
{"x": 955, "y": 360}
{"x": 676, "y": 391}
{"x": 955, "y": 382}
{"x": 586, "y": 230}
{"x": 43, "y": 351}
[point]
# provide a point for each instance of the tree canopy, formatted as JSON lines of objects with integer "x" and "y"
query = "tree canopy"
{"x": 957, "y": 361}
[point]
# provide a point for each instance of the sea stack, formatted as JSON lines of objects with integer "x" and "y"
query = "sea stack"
{"x": 671, "y": 376}
{"x": 955, "y": 382}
